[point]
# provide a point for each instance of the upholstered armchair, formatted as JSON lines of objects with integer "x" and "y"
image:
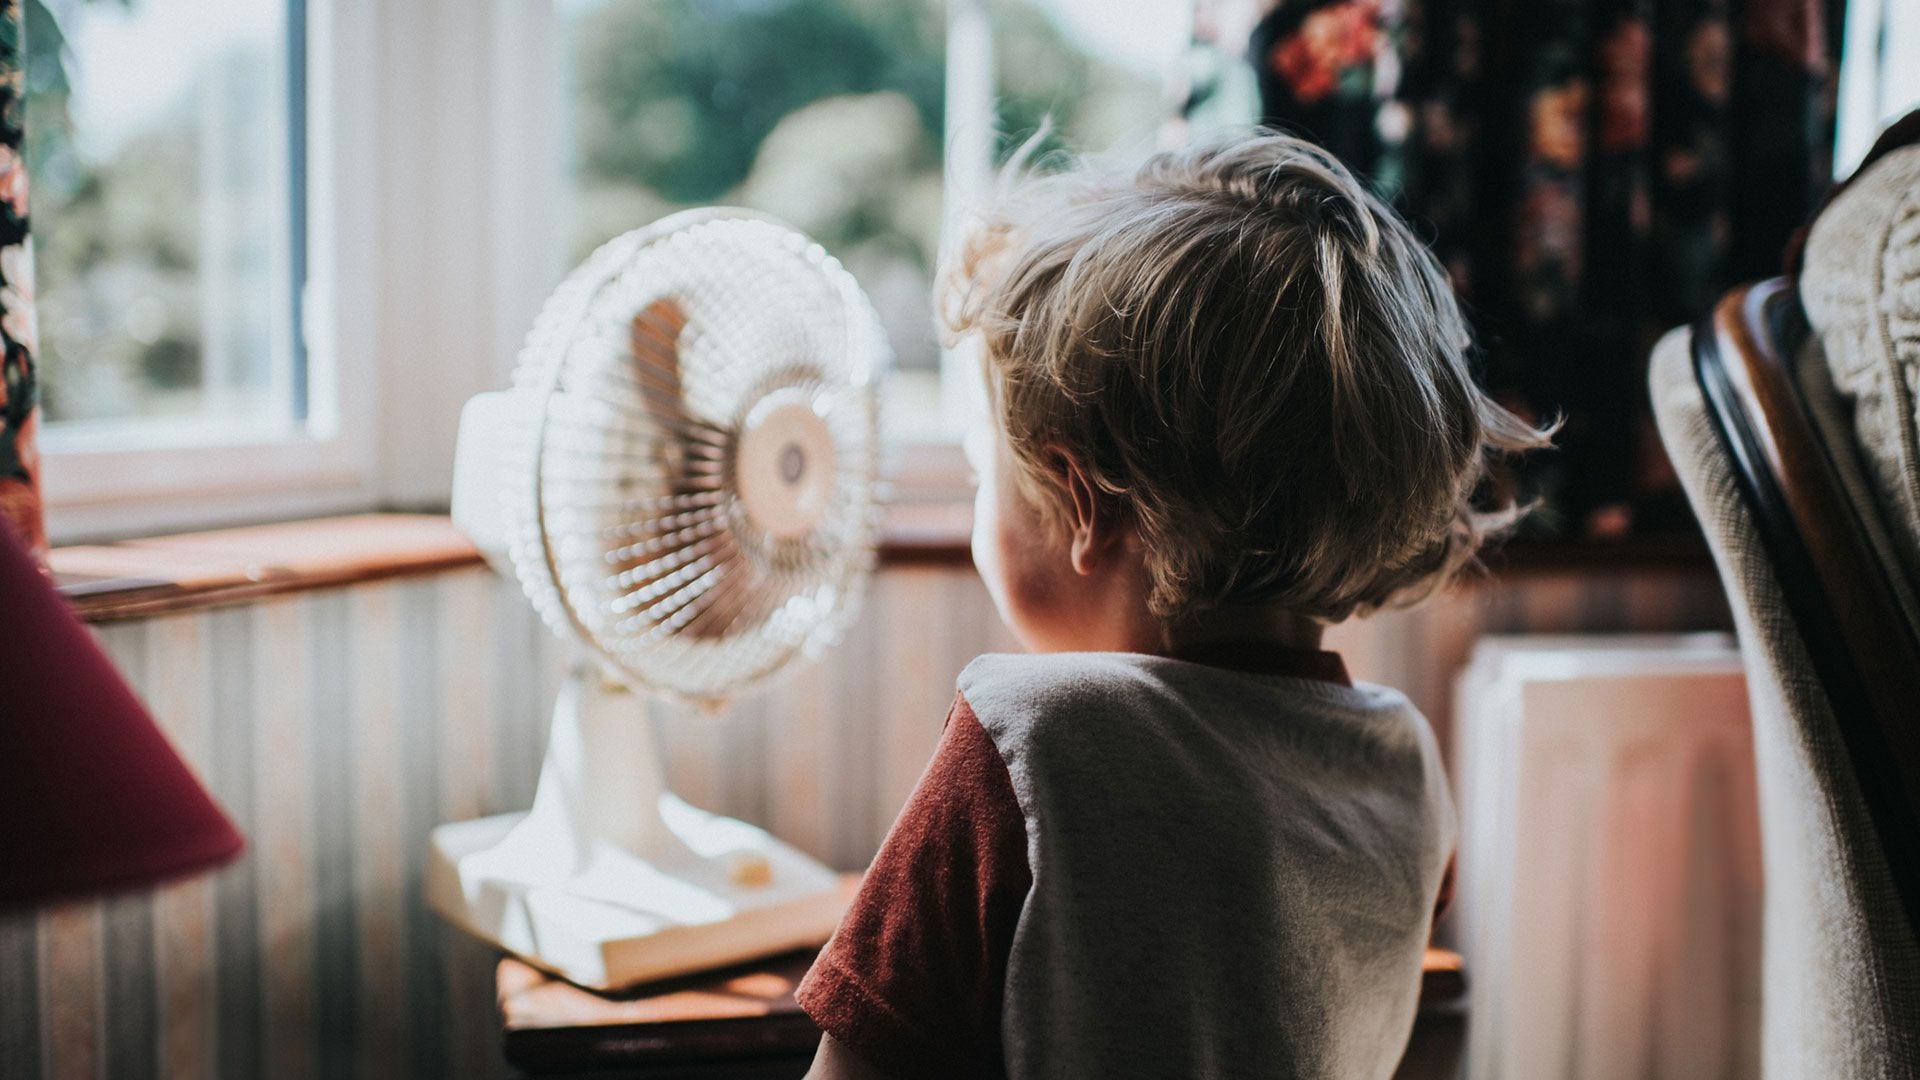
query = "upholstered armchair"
{"x": 1790, "y": 414}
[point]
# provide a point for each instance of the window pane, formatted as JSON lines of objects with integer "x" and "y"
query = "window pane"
{"x": 1879, "y": 76}
{"x": 824, "y": 113}
{"x": 158, "y": 140}
{"x": 1097, "y": 70}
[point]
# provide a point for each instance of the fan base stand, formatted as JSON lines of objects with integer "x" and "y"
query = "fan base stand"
{"x": 692, "y": 914}
{"x": 610, "y": 879}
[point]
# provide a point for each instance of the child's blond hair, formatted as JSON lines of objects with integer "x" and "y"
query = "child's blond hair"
{"x": 1251, "y": 356}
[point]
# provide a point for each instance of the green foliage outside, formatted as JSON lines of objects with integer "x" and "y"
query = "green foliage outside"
{"x": 826, "y": 113}
{"x": 116, "y": 250}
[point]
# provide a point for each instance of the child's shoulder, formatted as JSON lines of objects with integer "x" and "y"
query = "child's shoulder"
{"x": 1072, "y": 701}
{"x": 1067, "y": 681}
{"x": 1044, "y": 690}
{"x": 1051, "y": 679}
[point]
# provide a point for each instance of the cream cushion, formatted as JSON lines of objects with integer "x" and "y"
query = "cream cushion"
{"x": 1861, "y": 289}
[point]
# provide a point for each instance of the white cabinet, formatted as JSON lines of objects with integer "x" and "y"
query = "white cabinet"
{"x": 1609, "y": 891}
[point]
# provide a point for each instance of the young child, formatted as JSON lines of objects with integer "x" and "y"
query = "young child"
{"x": 1231, "y": 406}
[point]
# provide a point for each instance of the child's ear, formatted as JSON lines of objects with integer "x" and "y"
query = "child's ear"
{"x": 1093, "y": 527}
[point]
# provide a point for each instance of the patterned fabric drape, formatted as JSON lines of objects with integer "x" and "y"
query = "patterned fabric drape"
{"x": 19, "y": 460}
{"x": 1591, "y": 172}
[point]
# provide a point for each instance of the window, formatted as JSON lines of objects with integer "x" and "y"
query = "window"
{"x": 827, "y": 114}
{"x": 281, "y": 241}
{"x": 1879, "y": 75}
{"x": 864, "y": 125}
{"x": 187, "y": 255}
{"x": 163, "y": 138}
{"x": 1098, "y": 70}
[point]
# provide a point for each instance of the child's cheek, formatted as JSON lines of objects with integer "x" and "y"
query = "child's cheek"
{"x": 1005, "y": 532}
{"x": 985, "y": 543}
{"x": 1032, "y": 593}
{"x": 1027, "y": 571}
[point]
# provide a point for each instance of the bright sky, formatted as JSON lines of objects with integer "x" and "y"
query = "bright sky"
{"x": 1148, "y": 34}
{"x": 129, "y": 67}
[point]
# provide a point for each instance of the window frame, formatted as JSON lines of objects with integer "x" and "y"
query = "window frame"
{"x": 436, "y": 210}
{"x": 103, "y": 480}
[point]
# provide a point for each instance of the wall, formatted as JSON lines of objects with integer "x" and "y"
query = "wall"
{"x": 339, "y": 726}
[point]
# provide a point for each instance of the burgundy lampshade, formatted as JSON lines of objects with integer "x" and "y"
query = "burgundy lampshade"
{"x": 93, "y": 799}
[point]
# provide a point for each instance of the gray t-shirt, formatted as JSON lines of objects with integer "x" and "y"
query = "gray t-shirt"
{"x": 1234, "y": 873}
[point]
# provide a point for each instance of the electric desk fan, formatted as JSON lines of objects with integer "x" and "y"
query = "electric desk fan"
{"x": 682, "y": 477}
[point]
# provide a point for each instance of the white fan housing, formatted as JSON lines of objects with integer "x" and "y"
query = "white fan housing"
{"x": 683, "y": 478}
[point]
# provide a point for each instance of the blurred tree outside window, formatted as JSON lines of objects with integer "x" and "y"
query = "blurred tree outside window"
{"x": 831, "y": 115}
{"x": 159, "y": 143}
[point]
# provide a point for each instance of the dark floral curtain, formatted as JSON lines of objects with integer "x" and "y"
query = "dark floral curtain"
{"x": 1591, "y": 172}
{"x": 19, "y": 463}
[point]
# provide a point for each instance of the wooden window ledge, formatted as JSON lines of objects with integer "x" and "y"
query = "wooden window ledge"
{"x": 162, "y": 575}
{"x": 136, "y": 579}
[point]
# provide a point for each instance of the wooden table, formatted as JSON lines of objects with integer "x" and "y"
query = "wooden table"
{"x": 742, "y": 1023}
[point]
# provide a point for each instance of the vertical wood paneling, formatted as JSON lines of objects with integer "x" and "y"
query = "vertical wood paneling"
{"x": 380, "y": 860}
{"x": 230, "y": 677}
{"x": 339, "y": 727}
{"x": 127, "y": 991}
{"x": 800, "y": 806}
{"x": 1419, "y": 652}
{"x": 918, "y": 688}
{"x": 336, "y": 790}
{"x": 20, "y": 1028}
{"x": 283, "y": 836}
{"x": 73, "y": 1027}
{"x": 128, "y": 1007}
{"x": 856, "y": 710}
{"x": 177, "y": 693}
{"x": 466, "y": 786}
{"x": 465, "y": 696}
{"x": 417, "y": 626}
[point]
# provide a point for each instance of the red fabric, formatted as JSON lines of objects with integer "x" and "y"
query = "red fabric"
{"x": 913, "y": 979}
{"x": 92, "y": 797}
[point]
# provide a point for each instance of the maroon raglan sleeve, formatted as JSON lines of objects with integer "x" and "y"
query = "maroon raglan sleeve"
{"x": 913, "y": 979}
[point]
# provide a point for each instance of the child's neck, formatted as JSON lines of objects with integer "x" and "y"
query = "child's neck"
{"x": 1242, "y": 625}
{"x": 1111, "y": 612}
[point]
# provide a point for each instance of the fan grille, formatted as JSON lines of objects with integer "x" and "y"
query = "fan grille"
{"x": 649, "y": 365}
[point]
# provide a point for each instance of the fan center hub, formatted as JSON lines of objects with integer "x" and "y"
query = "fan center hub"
{"x": 785, "y": 465}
